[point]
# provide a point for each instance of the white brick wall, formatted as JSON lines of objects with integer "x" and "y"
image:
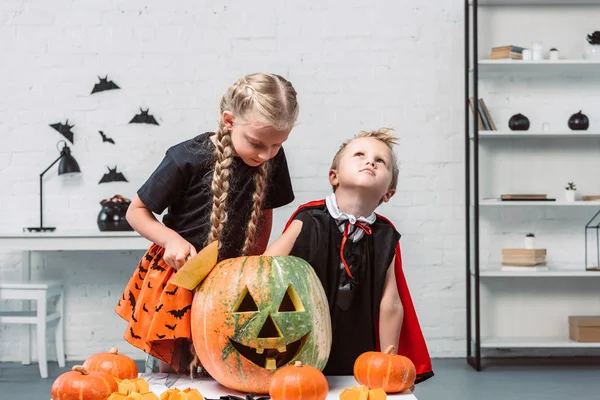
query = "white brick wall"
{"x": 356, "y": 65}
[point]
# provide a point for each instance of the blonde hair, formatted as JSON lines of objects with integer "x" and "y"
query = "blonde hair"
{"x": 268, "y": 99}
{"x": 385, "y": 136}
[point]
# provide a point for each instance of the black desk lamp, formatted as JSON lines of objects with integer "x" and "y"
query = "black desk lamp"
{"x": 68, "y": 165}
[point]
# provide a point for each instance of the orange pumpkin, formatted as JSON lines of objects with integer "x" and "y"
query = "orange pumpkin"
{"x": 295, "y": 382}
{"x": 137, "y": 385}
{"x": 254, "y": 315}
{"x": 186, "y": 394}
{"x": 118, "y": 365}
{"x": 79, "y": 383}
{"x": 391, "y": 372}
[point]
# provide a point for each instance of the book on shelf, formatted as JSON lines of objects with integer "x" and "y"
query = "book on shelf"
{"x": 484, "y": 118}
{"x": 524, "y": 258}
{"x": 507, "y": 52}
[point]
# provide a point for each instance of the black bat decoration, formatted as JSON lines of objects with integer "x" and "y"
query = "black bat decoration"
{"x": 132, "y": 300}
{"x": 133, "y": 317}
{"x": 103, "y": 85}
{"x": 113, "y": 176}
{"x": 106, "y": 138}
{"x": 137, "y": 287}
{"x": 157, "y": 309}
{"x": 133, "y": 335}
{"x": 172, "y": 292}
{"x": 65, "y": 130}
{"x": 171, "y": 327}
{"x": 144, "y": 307}
{"x": 157, "y": 267}
{"x": 149, "y": 287}
{"x": 148, "y": 257}
{"x": 140, "y": 277}
{"x": 142, "y": 269}
{"x": 180, "y": 313}
{"x": 160, "y": 336}
{"x": 144, "y": 118}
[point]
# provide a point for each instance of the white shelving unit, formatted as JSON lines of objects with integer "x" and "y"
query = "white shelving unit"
{"x": 521, "y": 310}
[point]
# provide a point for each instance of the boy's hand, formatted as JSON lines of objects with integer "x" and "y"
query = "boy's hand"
{"x": 177, "y": 251}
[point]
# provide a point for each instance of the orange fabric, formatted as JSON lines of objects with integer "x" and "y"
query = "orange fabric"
{"x": 157, "y": 312}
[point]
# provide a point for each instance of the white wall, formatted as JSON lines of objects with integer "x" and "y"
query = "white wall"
{"x": 356, "y": 65}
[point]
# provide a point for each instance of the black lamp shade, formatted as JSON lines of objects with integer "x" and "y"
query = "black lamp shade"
{"x": 68, "y": 164}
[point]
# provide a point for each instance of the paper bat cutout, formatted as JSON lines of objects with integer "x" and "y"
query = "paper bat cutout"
{"x": 106, "y": 138}
{"x": 143, "y": 118}
{"x": 180, "y": 313}
{"x": 113, "y": 176}
{"x": 65, "y": 130}
{"x": 103, "y": 85}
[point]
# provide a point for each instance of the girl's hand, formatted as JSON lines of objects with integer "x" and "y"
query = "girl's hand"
{"x": 177, "y": 251}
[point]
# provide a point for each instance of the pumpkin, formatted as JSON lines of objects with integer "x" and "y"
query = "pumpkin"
{"x": 295, "y": 382}
{"x": 254, "y": 315}
{"x": 363, "y": 393}
{"x": 79, "y": 383}
{"x": 137, "y": 385}
{"x": 391, "y": 372}
{"x": 118, "y": 365}
{"x": 133, "y": 396}
{"x": 186, "y": 394}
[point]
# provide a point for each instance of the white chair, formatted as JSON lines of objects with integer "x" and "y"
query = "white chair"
{"x": 40, "y": 292}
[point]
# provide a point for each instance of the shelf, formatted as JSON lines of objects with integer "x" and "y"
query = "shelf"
{"x": 536, "y": 135}
{"x": 537, "y": 3}
{"x": 551, "y": 273}
{"x": 532, "y": 342}
{"x": 558, "y": 203}
{"x": 554, "y": 67}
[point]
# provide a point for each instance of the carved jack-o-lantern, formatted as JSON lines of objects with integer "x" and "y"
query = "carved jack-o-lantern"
{"x": 254, "y": 315}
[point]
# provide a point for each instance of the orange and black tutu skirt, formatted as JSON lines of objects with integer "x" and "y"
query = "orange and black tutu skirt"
{"x": 157, "y": 312}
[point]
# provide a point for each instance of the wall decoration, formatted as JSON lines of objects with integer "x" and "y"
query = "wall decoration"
{"x": 113, "y": 176}
{"x": 143, "y": 118}
{"x": 106, "y": 138}
{"x": 65, "y": 130}
{"x": 104, "y": 85}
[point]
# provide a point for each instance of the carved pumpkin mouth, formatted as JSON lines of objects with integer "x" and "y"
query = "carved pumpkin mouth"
{"x": 271, "y": 358}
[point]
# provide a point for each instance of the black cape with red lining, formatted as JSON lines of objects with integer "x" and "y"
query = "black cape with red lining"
{"x": 355, "y": 329}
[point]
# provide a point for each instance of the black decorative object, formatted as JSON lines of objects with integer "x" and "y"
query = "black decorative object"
{"x": 104, "y": 85}
{"x": 68, "y": 165}
{"x": 112, "y": 215}
{"x": 594, "y": 38}
{"x": 65, "y": 130}
{"x": 143, "y": 118}
{"x": 112, "y": 176}
{"x": 106, "y": 138}
{"x": 579, "y": 122}
{"x": 518, "y": 122}
{"x": 593, "y": 225}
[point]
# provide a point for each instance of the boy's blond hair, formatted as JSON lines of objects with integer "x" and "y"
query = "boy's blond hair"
{"x": 385, "y": 136}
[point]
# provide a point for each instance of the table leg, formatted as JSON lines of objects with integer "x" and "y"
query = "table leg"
{"x": 26, "y": 339}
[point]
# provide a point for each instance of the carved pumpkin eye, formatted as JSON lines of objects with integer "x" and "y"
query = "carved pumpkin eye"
{"x": 245, "y": 302}
{"x": 291, "y": 301}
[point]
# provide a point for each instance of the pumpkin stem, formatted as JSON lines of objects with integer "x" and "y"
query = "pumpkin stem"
{"x": 390, "y": 349}
{"x": 298, "y": 363}
{"x": 80, "y": 368}
{"x": 113, "y": 350}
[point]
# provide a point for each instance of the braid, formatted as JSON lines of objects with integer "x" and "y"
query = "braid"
{"x": 260, "y": 180}
{"x": 220, "y": 182}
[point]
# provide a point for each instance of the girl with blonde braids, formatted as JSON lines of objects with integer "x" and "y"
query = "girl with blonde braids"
{"x": 217, "y": 186}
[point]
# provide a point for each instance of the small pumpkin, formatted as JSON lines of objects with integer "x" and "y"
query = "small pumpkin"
{"x": 254, "y": 315}
{"x": 137, "y": 385}
{"x": 133, "y": 396}
{"x": 186, "y": 394}
{"x": 362, "y": 392}
{"x": 80, "y": 383}
{"x": 391, "y": 372}
{"x": 298, "y": 382}
{"x": 118, "y": 365}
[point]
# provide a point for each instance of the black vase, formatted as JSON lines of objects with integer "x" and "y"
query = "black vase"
{"x": 112, "y": 216}
{"x": 518, "y": 122}
{"x": 579, "y": 122}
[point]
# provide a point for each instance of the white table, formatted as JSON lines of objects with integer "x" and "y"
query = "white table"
{"x": 30, "y": 242}
{"x": 211, "y": 389}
